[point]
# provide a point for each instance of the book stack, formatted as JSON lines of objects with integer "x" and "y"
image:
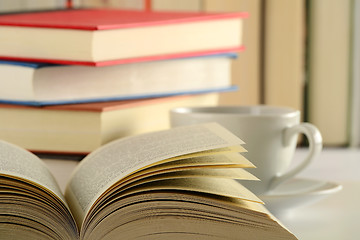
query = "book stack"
{"x": 73, "y": 80}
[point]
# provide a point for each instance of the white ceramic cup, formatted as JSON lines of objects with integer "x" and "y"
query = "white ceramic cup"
{"x": 270, "y": 134}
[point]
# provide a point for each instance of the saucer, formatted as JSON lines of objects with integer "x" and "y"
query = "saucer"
{"x": 298, "y": 192}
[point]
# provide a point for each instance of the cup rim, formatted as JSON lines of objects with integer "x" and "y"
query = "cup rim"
{"x": 241, "y": 110}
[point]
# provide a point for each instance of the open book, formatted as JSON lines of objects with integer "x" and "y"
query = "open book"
{"x": 174, "y": 184}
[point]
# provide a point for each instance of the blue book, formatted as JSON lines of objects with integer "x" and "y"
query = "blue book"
{"x": 40, "y": 84}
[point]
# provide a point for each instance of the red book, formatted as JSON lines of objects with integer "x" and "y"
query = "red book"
{"x": 107, "y": 36}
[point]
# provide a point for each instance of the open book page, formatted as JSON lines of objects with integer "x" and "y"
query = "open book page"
{"x": 230, "y": 173}
{"x": 112, "y": 162}
{"x": 222, "y": 186}
{"x": 229, "y": 165}
{"x": 234, "y": 160}
{"x": 235, "y": 149}
{"x": 150, "y": 216}
{"x": 19, "y": 163}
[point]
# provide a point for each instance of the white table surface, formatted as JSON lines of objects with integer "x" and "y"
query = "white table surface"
{"x": 333, "y": 218}
{"x": 336, "y": 217}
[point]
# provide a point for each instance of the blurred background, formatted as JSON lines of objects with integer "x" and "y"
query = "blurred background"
{"x": 299, "y": 53}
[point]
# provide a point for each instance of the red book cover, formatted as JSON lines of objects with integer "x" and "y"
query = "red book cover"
{"x": 128, "y": 60}
{"x": 100, "y": 20}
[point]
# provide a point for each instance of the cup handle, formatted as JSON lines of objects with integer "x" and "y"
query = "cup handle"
{"x": 315, "y": 146}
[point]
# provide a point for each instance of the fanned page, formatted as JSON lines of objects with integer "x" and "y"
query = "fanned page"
{"x": 16, "y": 162}
{"x": 31, "y": 203}
{"x": 114, "y": 161}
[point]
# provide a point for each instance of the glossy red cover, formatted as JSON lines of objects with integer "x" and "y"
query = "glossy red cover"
{"x": 102, "y": 19}
{"x": 105, "y": 19}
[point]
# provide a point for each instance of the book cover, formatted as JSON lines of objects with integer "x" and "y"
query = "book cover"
{"x": 111, "y": 36}
{"x": 329, "y": 67}
{"x": 39, "y": 84}
{"x": 105, "y": 19}
{"x": 284, "y": 44}
{"x": 354, "y": 126}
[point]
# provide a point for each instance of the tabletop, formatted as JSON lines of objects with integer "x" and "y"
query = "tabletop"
{"x": 332, "y": 218}
{"x": 335, "y": 217}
